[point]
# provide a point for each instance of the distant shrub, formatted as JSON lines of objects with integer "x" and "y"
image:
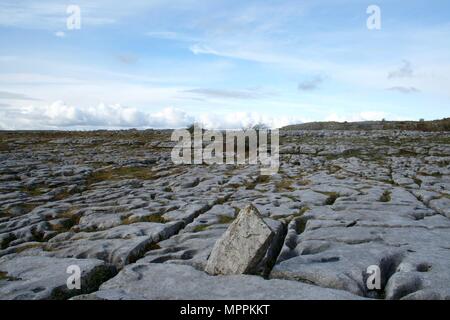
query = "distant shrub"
{"x": 260, "y": 126}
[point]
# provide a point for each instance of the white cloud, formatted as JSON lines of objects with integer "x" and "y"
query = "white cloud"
{"x": 59, "y": 115}
{"x": 202, "y": 49}
{"x": 236, "y": 120}
{"x": 170, "y": 118}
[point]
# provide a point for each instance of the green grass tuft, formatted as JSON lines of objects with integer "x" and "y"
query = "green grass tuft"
{"x": 200, "y": 228}
{"x": 225, "y": 219}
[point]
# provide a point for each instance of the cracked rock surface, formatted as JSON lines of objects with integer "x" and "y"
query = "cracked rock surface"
{"x": 113, "y": 203}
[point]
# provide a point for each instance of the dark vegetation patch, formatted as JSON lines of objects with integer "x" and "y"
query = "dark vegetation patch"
{"x": 225, "y": 219}
{"x": 259, "y": 180}
{"x": 284, "y": 185}
{"x": 35, "y": 190}
{"x": 406, "y": 153}
{"x": 4, "y": 276}
{"x": 385, "y": 197}
{"x": 300, "y": 225}
{"x": 155, "y": 218}
{"x": 332, "y": 197}
{"x": 6, "y": 241}
{"x": 4, "y": 147}
{"x": 417, "y": 181}
{"x": 141, "y": 173}
{"x": 24, "y": 207}
{"x": 262, "y": 179}
{"x": 430, "y": 174}
{"x": 304, "y": 210}
{"x": 89, "y": 283}
{"x": 153, "y": 246}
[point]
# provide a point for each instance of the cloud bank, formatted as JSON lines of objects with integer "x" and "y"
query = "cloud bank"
{"x": 59, "y": 115}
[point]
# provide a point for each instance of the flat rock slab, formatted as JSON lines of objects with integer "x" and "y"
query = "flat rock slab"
{"x": 157, "y": 281}
{"x": 119, "y": 245}
{"x": 242, "y": 247}
{"x": 442, "y": 206}
{"x": 36, "y": 278}
{"x": 332, "y": 247}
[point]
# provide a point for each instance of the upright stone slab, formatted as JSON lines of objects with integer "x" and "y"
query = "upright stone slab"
{"x": 242, "y": 246}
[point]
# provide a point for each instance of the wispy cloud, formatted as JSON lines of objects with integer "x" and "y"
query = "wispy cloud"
{"x": 405, "y": 71}
{"x": 310, "y": 84}
{"x": 256, "y": 93}
{"x": 15, "y": 96}
{"x": 204, "y": 49}
{"x": 405, "y": 90}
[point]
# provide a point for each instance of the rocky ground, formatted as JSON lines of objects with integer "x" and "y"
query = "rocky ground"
{"x": 139, "y": 227}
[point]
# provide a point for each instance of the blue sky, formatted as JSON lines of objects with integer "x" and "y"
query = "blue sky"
{"x": 159, "y": 63}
